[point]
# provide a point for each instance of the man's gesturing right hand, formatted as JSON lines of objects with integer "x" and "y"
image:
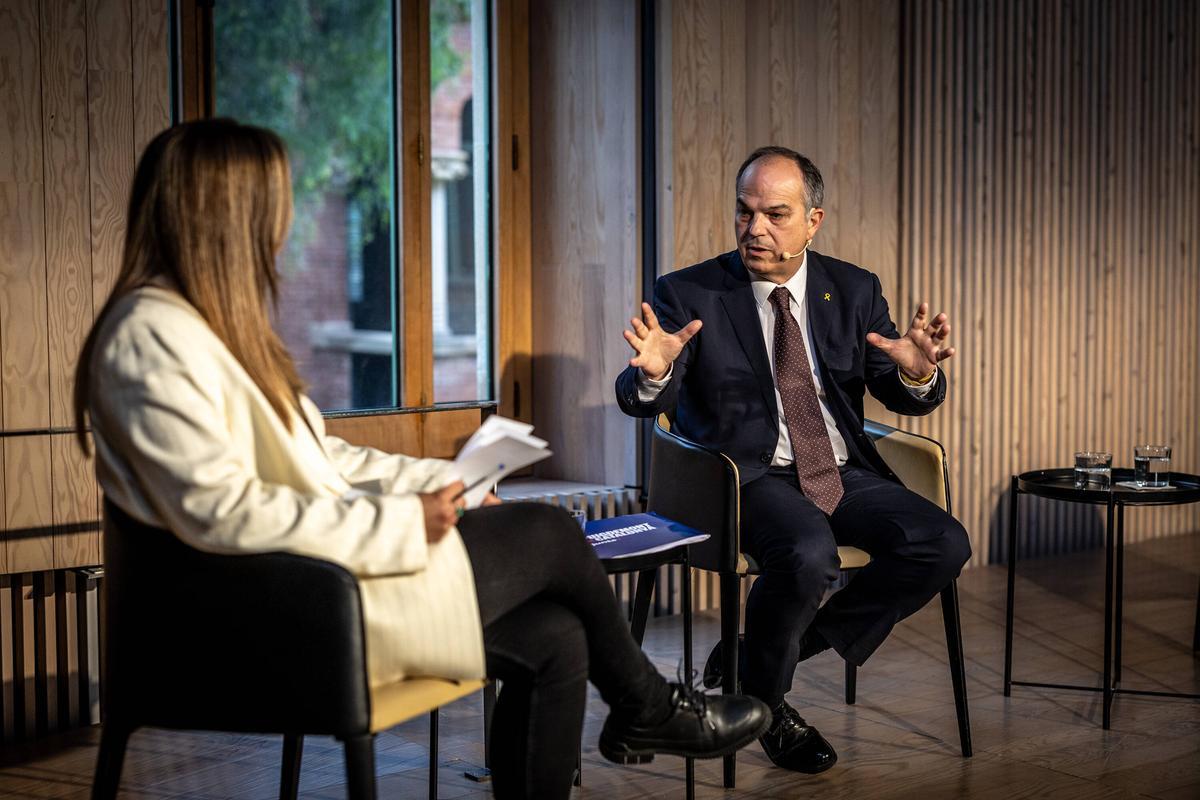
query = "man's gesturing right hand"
{"x": 656, "y": 349}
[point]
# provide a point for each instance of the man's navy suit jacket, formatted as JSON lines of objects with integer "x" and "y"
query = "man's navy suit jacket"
{"x": 722, "y": 392}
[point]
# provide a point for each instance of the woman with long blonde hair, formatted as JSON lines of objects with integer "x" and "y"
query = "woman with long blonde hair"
{"x": 201, "y": 427}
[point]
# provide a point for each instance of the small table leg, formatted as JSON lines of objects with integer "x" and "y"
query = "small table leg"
{"x": 1012, "y": 583}
{"x": 1108, "y": 611}
{"x": 1196, "y": 631}
{"x": 689, "y": 764}
{"x": 1118, "y": 620}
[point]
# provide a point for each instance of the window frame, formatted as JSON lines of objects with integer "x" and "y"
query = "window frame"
{"x": 510, "y": 335}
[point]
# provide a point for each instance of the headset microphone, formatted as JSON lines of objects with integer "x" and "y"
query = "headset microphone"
{"x": 789, "y": 256}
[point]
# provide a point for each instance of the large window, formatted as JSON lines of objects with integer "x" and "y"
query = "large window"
{"x": 325, "y": 74}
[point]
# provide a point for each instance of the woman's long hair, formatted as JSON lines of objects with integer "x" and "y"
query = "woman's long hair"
{"x": 210, "y": 207}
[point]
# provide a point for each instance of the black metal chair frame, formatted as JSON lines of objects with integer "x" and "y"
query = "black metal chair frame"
{"x": 714, "y": 509}
{"x": 269, "y": 643}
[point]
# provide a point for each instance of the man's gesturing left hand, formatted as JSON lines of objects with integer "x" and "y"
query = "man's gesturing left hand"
{"x": 918, "y": 352}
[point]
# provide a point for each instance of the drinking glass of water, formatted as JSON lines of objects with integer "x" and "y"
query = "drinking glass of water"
{"x": 1093, "y": 471}
{"x": 1152, "y": 465}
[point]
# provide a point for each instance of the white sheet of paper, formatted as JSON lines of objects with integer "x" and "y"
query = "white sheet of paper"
{"x": 495, "y": 428}
{"x": 500, "y": 446}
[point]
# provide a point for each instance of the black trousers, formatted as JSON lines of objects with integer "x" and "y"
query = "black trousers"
{"x": 916, "y": 550}
{"x": 550, "y": 623}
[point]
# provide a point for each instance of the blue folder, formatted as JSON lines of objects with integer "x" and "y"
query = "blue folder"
{"x": 638, "y": 534}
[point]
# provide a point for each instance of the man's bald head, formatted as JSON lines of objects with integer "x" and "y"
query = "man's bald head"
{"x": 814, "y": 185}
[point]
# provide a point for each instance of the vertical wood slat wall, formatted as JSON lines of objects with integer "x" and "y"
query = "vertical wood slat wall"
{"x": 1031, "y": 167}
{"x": 1049, "y": 200}
{"x": 83, "y": 87}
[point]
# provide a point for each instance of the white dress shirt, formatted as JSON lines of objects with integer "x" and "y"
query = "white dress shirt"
{"x": 796, "y": 285}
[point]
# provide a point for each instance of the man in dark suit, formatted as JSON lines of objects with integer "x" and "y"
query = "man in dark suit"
{"x": 765, "y": 354}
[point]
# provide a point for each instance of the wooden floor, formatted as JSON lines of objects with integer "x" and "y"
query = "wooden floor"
{"x": 899, "y": 741}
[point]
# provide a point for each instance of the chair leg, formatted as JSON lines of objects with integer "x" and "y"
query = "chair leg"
{"x": 360, "y": 767}
{"x": 490, "y": 690}
{"x": 433, "y": 754}
{"x": 958, "y": 670}
{"x": 731, "y": 601}
{"x": 640, "y": 610}
{"x": 851, "y": 683}
{"x": 108, "y": 764}
{"x": 1196, "y": 632}
{"x": 289, "y": 770}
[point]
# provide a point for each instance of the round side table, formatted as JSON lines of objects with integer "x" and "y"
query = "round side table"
{"x": 1059, "y": 484}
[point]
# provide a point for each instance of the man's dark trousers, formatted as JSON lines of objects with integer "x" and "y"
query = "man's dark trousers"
{"x": 916, "y": 549}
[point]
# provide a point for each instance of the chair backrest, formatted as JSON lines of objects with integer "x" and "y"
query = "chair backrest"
{"x": 267, "y": 642}
{"x": 697, "y": 486}
{"x": 919, "y": 462}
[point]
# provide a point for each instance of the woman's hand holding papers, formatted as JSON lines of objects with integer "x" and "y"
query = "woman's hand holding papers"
{"x": 442, "y": 510}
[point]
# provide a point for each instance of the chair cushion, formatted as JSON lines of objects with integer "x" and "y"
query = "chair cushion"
{"x": 394, "y": 703}
{"x": 853, "y": 558}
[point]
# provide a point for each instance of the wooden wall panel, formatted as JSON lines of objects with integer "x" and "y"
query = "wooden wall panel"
{"x": 110, "y": 136}
{"x": 73, "y": 76}
{"x": 819, "y": 77}
{"x": 20, "y": 131}
{"x": 28, "y": 503}
{"x": 585, "y": 165}
{"x": 68, "y": 211}
{"x": 151, "y": 72}
{"x": 26, "y": 380}
{"x": 1030, "y": 167}
{"x": 74, "y": 500}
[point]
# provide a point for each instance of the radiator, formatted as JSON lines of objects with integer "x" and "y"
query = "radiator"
{"x": 49, "y": 652}
{"x": 602, "y": 502}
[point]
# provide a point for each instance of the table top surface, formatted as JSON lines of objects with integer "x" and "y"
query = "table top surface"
{"x": 1059, "y": 484}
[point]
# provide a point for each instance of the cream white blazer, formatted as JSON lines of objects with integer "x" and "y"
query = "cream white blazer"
{"x": 186, "y": 441}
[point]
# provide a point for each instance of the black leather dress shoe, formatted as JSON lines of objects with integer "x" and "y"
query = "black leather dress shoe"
{"x": 699, "y": 726}
{"x": 713, "y": 666}
{"x": 793, "y": 744}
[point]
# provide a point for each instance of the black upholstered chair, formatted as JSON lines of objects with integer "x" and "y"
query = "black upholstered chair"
{"x": 699, "y": 487}
{"x": 267, "y": 643}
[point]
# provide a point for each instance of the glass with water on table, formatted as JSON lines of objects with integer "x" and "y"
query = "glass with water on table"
{"x": 1093, "y": 470}
{"x": 1152, "y": 466}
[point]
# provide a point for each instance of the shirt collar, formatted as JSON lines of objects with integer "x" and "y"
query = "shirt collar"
{"x": 795, "y": 284}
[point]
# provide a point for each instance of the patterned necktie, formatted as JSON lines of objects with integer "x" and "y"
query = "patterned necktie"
{"x": 812, "y": 451}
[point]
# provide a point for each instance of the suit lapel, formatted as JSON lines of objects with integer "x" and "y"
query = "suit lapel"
{"x": 821, "y": 311}
{"x": 738, "y": 300}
